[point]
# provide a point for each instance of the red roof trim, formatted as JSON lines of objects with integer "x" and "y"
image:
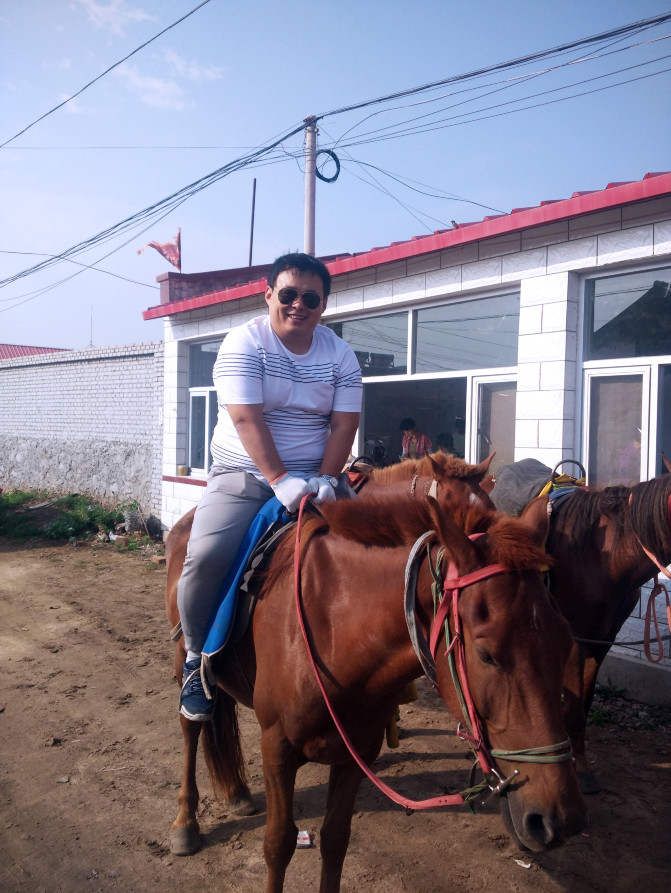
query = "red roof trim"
{"x": 651, "y": 186}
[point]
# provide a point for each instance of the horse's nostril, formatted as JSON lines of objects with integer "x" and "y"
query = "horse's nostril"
{"x": 539, "y": 828}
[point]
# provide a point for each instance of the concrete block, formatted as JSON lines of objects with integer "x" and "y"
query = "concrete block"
{"x": 351, "y": 299}
{"x": 410, "y": 288}
{"x": 557, "y": 374}
{"x": 556, "y": 404}
{"x": 555, "y": 434}
{"x": 423, "y": 263}
{"x": 559, "y": 317}
{"x": 539, "y": 348}
{"x": 524, "y": 265}
{"x": 652, "y": 211}
{"x": 377, "y": 295}
{"x": 387, "y": 272}
{"x": 547, "y": 456}
{"x": 551, "y": 288}
{"x": 460, "y": 254}
{"x": 443, "y": 282}
{"x": 629, "y": 244}
{"x": 528, "y": 376}
{"x": 526, "y": 434}
{"x": 662, "y": 238}
{"x": 642, "y": 681}
{"x": 548, "y": 234}
{"x": 481, "y": 274}
{"x": 499, "y": 245}
{"x": 594, "y": 224}
{"x": 572, "y": 255}
{"x": 357, "y": 279}
{"x": 531, "y": 319}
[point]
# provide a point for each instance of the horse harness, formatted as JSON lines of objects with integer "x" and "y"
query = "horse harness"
{"x": 446, "y": 598}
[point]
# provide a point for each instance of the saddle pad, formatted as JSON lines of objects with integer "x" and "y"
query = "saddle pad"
{"x": 220, "y": 630}
{"x": 517, "y": 484}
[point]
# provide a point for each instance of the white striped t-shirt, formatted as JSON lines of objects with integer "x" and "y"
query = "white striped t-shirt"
{"x": 298, "y": 392}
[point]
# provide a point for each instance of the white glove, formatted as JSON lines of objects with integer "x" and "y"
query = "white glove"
{"x": 290, "y": 489}
{"x": 323, "y": 488}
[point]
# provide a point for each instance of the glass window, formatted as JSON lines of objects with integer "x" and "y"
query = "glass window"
{"x": 628, "y": 316}
{"x": 379, "y": 342}
{"x": 201, "y": 363}
{"x": 197, "y": 446}
{"x": 475, "y": 334}
{"x": 496, "y": 423}
{"x": 615, "y": 429}
{"x": 664, "y": 419}
{"x": 438, "y": 409}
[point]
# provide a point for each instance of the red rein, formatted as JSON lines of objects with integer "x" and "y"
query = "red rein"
{"x": 452, "y": 586}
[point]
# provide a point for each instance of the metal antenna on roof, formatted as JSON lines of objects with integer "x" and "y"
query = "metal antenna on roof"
{"x": 310, "y": 183}
{"x": 251, "y": 228}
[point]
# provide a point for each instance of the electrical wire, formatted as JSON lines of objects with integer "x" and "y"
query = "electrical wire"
{"x": 102, "y": 74}
{"x": 503, "y": 66}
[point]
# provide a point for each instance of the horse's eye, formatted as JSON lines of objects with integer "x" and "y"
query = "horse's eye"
{"x": 486, "y": 657}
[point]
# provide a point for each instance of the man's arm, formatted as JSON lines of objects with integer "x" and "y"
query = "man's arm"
{"x": 256, "y": 438}
{"x": 339, "y": 443}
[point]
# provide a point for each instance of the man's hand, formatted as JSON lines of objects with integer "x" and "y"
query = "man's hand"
{"x": 290, "y": 489}
{"x": 323, "y": 488}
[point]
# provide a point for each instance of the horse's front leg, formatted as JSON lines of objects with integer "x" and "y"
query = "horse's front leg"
{"x": 280, "y": 765}
{"x": 344, "y": 781}
{"x": 185, "y": 832}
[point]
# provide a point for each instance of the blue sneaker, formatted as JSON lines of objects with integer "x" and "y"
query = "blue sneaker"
{"x": 194, "y": 704}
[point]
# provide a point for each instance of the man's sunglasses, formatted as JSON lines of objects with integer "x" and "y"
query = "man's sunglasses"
{"x": 288, "y": 295}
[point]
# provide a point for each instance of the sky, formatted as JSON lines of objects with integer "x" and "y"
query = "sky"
{"x": 233, "y": 76}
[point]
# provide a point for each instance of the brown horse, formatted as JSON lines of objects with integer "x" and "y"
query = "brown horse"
{"x": 515, "y": 647}
{"x": 596, "y": 539}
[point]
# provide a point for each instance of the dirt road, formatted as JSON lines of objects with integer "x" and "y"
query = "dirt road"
{"x": 90, "y": 759}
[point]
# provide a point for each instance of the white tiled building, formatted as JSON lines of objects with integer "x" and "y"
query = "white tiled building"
{"x": 545, "y": 332}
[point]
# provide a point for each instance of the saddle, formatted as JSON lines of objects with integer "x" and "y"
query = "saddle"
{"x": 517, "y": 484}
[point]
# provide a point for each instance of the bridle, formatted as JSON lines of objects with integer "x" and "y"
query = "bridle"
{"x": 451, "y": 590}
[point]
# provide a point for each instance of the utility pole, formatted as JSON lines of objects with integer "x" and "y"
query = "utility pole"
{"x": 310, "y": 184}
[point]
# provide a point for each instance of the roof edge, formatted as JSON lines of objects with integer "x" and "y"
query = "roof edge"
{"x": 652, "y": 185}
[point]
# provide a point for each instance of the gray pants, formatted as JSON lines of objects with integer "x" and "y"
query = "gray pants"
{"x": 227, "y": 508}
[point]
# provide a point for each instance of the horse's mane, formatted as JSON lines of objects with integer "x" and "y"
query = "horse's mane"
{"x": 577, "y": 514}
{"x": 650, "y": 512}
{"x": 448, "y": 465}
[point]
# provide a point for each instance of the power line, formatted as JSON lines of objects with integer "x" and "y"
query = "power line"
{"x": 170, "y": 203}
{"x": 502, "y": 66}
{"x": 85, "y": 266}
{"x": 444, "y": 126}
{"x": 102, "y": 74}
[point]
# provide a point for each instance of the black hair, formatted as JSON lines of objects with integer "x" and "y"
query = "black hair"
{"x": 304, "y": 263}
{"x": 407, "y": 424}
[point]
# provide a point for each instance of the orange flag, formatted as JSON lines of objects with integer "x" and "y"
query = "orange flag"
{"x": 171, "y": 251}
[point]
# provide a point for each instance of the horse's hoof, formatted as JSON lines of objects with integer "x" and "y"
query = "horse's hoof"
{"x": 185, "y": 841}
{"x": 588, "y": 782}
{"x": 241, "y": 806}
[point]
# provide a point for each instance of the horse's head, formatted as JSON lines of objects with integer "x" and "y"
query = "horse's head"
{"x": 454, "y": 476}
{"x": 515, "y": 645}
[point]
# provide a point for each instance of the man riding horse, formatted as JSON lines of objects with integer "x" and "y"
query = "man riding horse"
{"x": 289, "y": 393}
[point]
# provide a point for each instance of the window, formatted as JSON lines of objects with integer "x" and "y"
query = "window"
{"x": 379, "y": 342}
{"x": 496, "y": 422}
{"x": 477, "y": 334}
{"x": 628, "y": 315}
{"x": 615, "y": 418}
{"x": 202, "y": 403}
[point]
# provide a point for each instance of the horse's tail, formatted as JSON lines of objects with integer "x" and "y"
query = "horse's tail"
{"x": 222, "y": 750}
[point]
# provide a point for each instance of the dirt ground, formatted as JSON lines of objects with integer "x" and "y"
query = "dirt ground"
{"x": 90, "y": 760}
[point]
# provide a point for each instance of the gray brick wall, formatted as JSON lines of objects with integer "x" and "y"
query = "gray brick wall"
{"x": 85, "y": 421}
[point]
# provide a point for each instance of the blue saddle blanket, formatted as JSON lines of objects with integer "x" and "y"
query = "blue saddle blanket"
{"x": 220, "y": 630}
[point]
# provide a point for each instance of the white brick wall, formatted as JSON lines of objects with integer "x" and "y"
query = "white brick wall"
{"x": 72, "y": 405}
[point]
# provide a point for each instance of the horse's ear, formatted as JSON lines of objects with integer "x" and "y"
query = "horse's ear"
{"x": 456, "y": 543}
{"x": 666, "y": 462}
{"x": 536, "y": 519}
{"x": 482, "y": 468}
{"x": 436, "y": 467}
